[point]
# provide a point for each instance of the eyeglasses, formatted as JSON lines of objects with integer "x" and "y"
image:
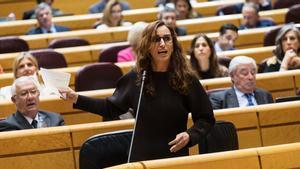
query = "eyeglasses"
{"x": 166, "y": 39}
{"x": 25, "y": 93}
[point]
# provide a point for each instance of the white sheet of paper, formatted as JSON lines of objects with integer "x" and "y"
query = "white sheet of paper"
{"x": 55, "y": 79}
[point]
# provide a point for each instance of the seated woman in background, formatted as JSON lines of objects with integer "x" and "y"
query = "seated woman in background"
{"x": 24, "y": 65}
{"x": 204, "y": 59}
{"x": 134, "y": 36}
{"x": 112, "y": 16}
{"x": 287, "y": 50}
{"x": 185, "y": 10}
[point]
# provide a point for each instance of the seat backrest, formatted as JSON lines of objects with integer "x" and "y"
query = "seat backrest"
{"x": 223, "y": 137}
{"x": 224, "y": 60}
{"x": 97, "y": 76}
{"x": 49, "y": 59}
{"x": 262, "y": 65}
{"x": 110, "y": 54}
{"x": 210, "y": 91}
{"x": 285, "y": 3}
{"x": 287, "y": 99}
{"x": 105, "y": 150}
{"x": 68, "y": 42}
{"x": 12, "y": 44}
{"x": 293, "y": 15}
{"x": 228, "y": 9}
{"x": 270, "y": 36}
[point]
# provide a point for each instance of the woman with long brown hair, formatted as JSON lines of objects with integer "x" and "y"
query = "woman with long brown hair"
{"x": 204, "y": 59}
{"x": 171, "y": 92}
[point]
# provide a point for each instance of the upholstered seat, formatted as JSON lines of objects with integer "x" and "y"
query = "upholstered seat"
{"x": 223, "y": 137}
{"x": 68, "y": 42}
{"x": 97, "y": 76}
{"x": 285, "y": 3}
{"x": 105, "y": 150}
{"x": 293, "y": 15}
{"x": 228, "y": 9}
{"x": 270, "y": 36}
{"x": 12, "y": 44}
{"x": 48, "y": 58}
{"x": 111, "y": 54}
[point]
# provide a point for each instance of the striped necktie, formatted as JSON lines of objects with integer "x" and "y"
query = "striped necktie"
{"x": 249, "y": 99}
{"x": 34, "y": 123}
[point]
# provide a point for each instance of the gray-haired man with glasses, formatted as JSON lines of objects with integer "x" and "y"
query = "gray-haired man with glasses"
{"x": 25, "y": 95}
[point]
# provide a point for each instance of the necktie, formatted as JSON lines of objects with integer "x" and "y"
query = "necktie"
{"x": 249, "y": 96}
{"x": 34, "y": 123}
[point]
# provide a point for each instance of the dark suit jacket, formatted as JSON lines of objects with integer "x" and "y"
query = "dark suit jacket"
{"x": 180, "y": 31}
{"x": 17, "y": 121}
{"x": 228, "y": 98}
{"x": 38, "y": 30}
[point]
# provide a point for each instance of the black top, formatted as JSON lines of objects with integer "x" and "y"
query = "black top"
{"x": 271, "y": 67}
{"x": 161, "y": 116}
{"x": 274, "y": 67}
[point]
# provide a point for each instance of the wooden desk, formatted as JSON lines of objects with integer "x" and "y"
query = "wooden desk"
{"x": 43, "y": 148}
{"x": 79, "y": 22}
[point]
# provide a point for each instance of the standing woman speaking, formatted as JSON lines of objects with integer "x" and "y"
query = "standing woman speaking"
{"x": 171, "y": 91}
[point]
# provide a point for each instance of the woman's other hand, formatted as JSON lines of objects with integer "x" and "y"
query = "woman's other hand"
{"x": 68, "y": 94}
{"x": 181, "y": 140}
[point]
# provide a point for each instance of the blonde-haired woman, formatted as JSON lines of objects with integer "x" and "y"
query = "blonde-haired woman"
{"x": 112, "y": 16}
{"x": 24, "y": 65}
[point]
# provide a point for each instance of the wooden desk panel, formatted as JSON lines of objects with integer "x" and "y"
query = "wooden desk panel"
{"x": 280, "y": 156}
{"x": 280, "y": 123}
{"x": 246, "y": 159}
{"x": 246, "y": 122}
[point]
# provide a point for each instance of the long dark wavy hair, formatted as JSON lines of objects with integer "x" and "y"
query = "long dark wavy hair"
{"x": 180, "y": 73}
{"x": 214, "y": 68}
{"x": 278, "y": 51}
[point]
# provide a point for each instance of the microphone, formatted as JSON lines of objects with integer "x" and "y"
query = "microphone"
{"x": 137, "y": 114}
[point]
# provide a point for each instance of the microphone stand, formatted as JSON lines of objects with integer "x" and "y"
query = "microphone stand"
{"x": 137, "y": 114}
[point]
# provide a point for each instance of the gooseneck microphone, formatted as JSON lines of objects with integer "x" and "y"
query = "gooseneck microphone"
{"x": 137, "y": 114}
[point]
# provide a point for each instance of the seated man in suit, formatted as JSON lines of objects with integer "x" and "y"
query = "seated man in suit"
{"x": 25, "y": 95}
{"x": 251, "y": 18}
{"x": 31, "y": 15}
{"x": 228, "y": 34}
{"x": 168, "y": 16}
{"x": 242, "y": 70}
{"x": 44, "y": 17}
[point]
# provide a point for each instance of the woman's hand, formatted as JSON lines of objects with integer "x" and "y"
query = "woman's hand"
{"x": 287, "y": 60}
{"x": 295, "y": 62}
{"x": 181, "y": 140}
{"x": 68, "y": 94}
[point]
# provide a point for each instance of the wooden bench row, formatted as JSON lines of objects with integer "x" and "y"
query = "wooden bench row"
{"x": 279, "y": 84}
{"x": 269, "y": 81}
{"x": 117, "y": 34}
{"x": 78, "y": 56}
{"x": 86, "y": 21}
{"x": 67, "y": 6}
{"x": 272, "y": 157}
{"x": 58, "y": 147}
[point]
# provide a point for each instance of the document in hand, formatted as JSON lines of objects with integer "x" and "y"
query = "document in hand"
{"x": 55, "y": 79}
